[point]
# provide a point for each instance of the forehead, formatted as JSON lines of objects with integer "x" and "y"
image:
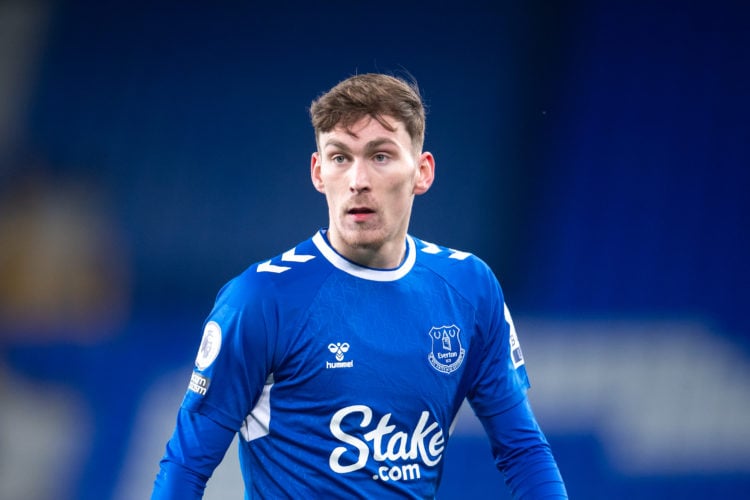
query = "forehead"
{"x": 365, "y": 130}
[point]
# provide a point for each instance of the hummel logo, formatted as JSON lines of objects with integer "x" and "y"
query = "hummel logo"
{"x": 288, "y": 256}
{"x": 339, "y": 349}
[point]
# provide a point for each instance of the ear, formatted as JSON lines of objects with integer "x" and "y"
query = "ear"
{"x": 425, "y": 173}
{"x": 315, "y": 166}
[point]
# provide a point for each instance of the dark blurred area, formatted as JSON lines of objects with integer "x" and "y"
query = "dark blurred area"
{"x": 595, "y": 154}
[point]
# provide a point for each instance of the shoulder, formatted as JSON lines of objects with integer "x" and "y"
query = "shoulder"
{"x": 462, "y": 270}
{"x": 449, "y": 262}
{"x": 298, "y": 270}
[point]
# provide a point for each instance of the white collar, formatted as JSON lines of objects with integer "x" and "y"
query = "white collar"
{"x": 366, "y": 273}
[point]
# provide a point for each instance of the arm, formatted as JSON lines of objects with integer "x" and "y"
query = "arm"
{"x": 197, "y": 446}
{"x": 522, "y": 453}
{"x": 229, "y": 375}
{"x": 499, "y": 399}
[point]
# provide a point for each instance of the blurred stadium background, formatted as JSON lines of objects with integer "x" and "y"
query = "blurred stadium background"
{"x": 595, "y": 154}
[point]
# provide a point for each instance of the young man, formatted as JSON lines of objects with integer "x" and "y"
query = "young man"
{"x": 343, "y": 362}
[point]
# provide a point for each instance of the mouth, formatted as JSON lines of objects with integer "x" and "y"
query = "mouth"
{"x": 360, "y": 214}
{"x": 360, "y": 210}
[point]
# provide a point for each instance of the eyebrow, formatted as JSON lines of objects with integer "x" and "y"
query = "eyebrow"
{"x": 378, "y": 143}
{"x": 336, "y": 144}
{"x": 370, "y": 146}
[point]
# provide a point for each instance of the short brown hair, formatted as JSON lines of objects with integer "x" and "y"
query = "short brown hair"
{"x": 373, "y": 94}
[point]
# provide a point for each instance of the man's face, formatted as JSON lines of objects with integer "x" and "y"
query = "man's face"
{"x": 370, "y": 175}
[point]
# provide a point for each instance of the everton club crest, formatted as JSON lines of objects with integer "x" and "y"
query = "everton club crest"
{"x": 447, "y": 352}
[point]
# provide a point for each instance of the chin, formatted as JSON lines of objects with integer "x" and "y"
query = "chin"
{"x": 363, "y": 238}
{"x": 364, "y": 241}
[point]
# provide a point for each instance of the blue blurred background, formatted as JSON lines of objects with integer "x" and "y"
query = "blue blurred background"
{"x": 595, "y": 154}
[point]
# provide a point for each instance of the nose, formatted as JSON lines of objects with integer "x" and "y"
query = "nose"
{"x": 359, "y": 177}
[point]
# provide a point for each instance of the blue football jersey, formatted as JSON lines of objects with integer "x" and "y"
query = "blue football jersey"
{"x": 344, "y": 381}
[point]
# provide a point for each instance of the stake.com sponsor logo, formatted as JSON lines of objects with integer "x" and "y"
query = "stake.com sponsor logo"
{"x": 425, "y": 443}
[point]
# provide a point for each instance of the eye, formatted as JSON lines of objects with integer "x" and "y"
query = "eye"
{"x": 338, "y": 159}
{"x": 380, "y": 158}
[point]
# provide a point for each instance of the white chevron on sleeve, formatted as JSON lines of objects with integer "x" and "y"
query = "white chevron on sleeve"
{"x": 267, "y": 267}
{"x": 433, "y": 249}
{"x": 458, "y": 255}
{"x": 290, "y": 256}
{"x": 430, "y": 248}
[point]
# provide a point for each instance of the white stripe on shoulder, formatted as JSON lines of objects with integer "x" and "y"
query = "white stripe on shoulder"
{"x": 433, "y": 249}
{"x": 288, "y": 256}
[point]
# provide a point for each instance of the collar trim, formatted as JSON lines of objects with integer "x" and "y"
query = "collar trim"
{"x": 366, "y": 273}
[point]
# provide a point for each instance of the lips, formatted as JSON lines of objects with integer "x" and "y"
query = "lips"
{"x": 360, "y": 214}
{"x": 360, "y": 210}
